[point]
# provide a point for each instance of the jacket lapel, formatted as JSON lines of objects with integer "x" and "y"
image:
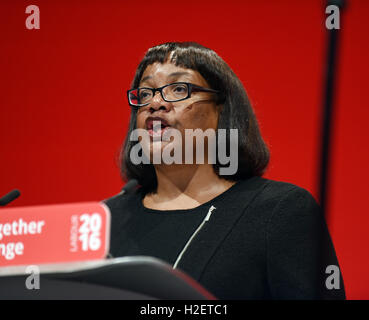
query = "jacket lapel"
{"x": 214, "y": 232}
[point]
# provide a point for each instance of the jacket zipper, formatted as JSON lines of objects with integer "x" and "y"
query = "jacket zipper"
{"x": 193, "y": 236}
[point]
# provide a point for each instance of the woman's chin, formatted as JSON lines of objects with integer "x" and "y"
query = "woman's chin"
{"x": 160, "y": 145}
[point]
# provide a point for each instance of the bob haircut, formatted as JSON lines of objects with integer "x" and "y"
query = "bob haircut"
{"x": 236, "y": 112}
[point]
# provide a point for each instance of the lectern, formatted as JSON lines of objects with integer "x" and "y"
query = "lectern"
{"x": 66, "y": 247}
{"x": 129, "y": 278}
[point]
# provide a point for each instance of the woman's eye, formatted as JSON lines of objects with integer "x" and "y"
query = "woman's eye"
{"x": 179, "y": 89}
{"x": 144, "y": 94}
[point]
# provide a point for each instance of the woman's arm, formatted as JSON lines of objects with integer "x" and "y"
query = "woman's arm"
{"x": 299, "y": 250}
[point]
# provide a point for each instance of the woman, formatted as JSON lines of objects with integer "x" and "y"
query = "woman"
{"x": 239, "y": 235}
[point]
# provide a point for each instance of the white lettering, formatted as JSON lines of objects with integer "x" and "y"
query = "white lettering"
{"x": 20, "y": 227}
{"x": 224, "y": 142}
{"x": 333, "y": 280}
{"x": 333, "y": 20}
{"x": 33, "y": 280}
{"x": 33, "y": 20}
{"x": 11, "y": 249}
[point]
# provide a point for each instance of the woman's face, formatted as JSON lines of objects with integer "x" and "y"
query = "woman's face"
{"x": 197, "y": 112}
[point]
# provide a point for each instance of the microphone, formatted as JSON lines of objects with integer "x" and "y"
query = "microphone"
{"x": 129, "y": 186}
{"x": 12, "y": 195}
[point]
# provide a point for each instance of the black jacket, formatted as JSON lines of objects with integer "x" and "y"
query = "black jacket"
{"x": 264, "y": 239}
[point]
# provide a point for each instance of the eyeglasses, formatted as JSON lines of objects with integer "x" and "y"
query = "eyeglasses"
{"x": 172, "y": 92}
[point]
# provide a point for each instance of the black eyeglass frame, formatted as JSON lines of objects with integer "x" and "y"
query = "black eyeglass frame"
{"x": 191, "y": 88}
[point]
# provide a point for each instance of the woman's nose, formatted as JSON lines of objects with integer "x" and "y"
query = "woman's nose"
{"x": 158, "y": 103}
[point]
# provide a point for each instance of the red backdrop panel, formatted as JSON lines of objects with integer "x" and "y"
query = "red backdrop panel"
{"x": 63, "y": 113}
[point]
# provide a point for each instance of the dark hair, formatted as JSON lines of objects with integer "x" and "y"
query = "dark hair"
{"x": 236, "y": 112}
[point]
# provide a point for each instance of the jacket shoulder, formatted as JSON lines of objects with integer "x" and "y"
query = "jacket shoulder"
{"x": 273, "y": 195}
{"x": 269, "y": 188}
{"x": 274, "y": 189}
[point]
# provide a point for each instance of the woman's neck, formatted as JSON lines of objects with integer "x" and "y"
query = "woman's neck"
{"x": 185, "y": 186}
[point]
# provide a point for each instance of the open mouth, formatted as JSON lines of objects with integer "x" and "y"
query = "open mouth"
{"x": 156, "y": 126}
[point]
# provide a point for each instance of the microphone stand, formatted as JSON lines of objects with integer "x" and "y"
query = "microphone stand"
{"x": 328, "y": 109}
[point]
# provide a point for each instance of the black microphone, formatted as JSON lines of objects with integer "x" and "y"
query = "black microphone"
{"x": 12, "y": 195}
{"x": 129, "y": 186}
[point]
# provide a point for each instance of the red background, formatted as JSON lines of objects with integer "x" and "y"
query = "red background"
{"x": 63, "y": 113}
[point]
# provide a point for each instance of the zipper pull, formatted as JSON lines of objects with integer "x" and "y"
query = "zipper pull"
{"x": 209, "y": 213}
